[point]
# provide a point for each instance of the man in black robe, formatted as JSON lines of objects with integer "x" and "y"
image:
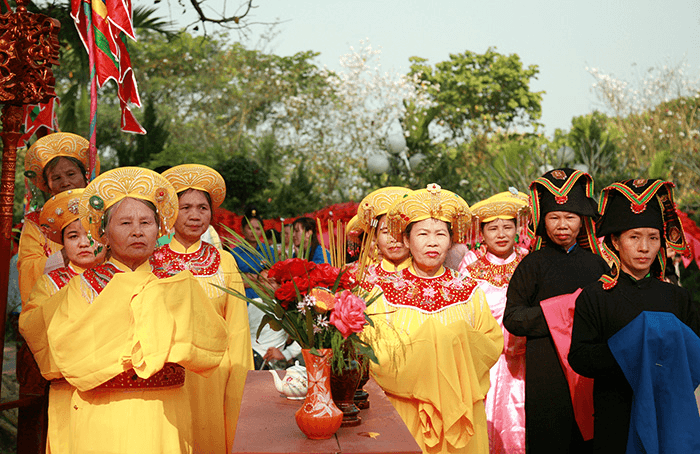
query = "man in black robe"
{"x": 563, "y": 215}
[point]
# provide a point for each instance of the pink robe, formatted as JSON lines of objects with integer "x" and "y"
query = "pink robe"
{"x": 505, "y": 401}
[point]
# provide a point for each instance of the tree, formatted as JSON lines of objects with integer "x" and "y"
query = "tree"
{"x": 475, "y": 93}
{"x": 137, "y": 150}
{"x": 657, "y": 120}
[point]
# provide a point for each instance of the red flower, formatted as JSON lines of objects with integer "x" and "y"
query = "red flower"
{"x": 289, "y": 269}
{"x": 287, "y": 292}
{"x": 324, "y": 275}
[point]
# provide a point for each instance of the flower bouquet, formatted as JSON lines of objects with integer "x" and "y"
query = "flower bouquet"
{"x": 315, "y": 306}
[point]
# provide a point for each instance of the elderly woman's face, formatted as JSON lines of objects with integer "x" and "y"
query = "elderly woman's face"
{"x": 63, "y": 176}
{"x": 428, "y": 241}
{"x": 193, "y": 217}
{"x": 132, "y": 232}
{"x": 562, "y": 227}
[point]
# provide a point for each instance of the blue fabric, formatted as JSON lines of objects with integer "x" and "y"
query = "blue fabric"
{"x": 318, "y": 255}
{"x": 660, "y": 357}
{"x": 249, "y": 263}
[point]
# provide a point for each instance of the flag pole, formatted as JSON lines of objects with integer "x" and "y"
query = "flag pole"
{"x": 92, "y": 136}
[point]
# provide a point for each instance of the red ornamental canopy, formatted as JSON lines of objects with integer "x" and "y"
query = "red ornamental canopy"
{"x": 339, "y": 212}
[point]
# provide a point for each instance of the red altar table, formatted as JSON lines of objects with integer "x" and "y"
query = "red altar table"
{"x": 266, "y": 424}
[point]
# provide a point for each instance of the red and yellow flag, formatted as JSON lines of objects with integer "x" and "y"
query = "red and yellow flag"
{"x": 111, "y": 24}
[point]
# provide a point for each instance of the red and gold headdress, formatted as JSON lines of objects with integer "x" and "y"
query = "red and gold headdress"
{"x": 51, "y": 146}
{"x": 376, "y": 204}
{"x": 504, "y": 205}
{"x": 59, "y": 211}
{"x": 197, "y": 176}
{"x": 432, "y": 202}
{"x": 117, "y": 184}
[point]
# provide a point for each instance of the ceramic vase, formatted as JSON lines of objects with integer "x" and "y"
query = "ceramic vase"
{"x": 343, "y": 387}
{"x": 318, "y": 417}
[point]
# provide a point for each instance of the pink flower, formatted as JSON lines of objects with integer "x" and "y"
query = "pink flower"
{"x": 349, "y": 313}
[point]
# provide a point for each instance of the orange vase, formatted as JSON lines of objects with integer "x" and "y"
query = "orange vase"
{"x": 318, "y": 417}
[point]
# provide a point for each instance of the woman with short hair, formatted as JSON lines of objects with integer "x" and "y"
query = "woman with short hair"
{"x": 563, "y": 211}
{"x": 305, "y": 238}
{"x": 638, "y": 223}
{"x": 215, "y": 400}
{"x": 122, "y": 336}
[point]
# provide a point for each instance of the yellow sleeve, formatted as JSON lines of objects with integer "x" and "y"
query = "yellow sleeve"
{"x": 34, "y": 320}
{"x": 486, "y": 339}
{"x": 174, "y": 305}
{"x": 239, "y": 345}
{"x": 240, "y": 350}
{"x": 137, "y": 321}
{"x": 32, "y": 255}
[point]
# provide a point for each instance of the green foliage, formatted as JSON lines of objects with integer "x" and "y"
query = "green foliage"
{"x": 217, "y": 93}
{"x": 296, "y": 197}
{"x": 137, "y": 149}
{"x": 477, "y": 92}
{"x": 596, "y": 147}
{"x": 244, "y": 180}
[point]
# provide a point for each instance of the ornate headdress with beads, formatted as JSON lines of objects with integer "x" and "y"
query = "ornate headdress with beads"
{"x": 197, "y": 176}
{"x": 59, "y": 211}
{"x": 504, "y": 205}
{"x": 51, "y": 146}
{"x": 633, "y": 204}
{"x": 432, "y": 202}
{"x": 118, "y": 184}
{"x": 376, "y": 204}
{"x": 564, "y": 190}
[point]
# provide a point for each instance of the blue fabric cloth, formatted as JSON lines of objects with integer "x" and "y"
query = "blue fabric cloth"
{"x": 660, "y": 357}
{"x": 250, "y": 263}
{"x": 318, "y": 255}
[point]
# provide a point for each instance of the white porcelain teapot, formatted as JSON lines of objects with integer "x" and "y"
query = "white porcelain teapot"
{"x": 294, "y": 384}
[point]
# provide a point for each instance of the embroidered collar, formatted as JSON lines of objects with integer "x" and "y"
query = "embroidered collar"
{"x": 204, "y": 261}
{"x": 429, "y": 295}
{"x": 61, "y": 276}
{"x": 495, "y": 274}
{"x": 98, "y": 277}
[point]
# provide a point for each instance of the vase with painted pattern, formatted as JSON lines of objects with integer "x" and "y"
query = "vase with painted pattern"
{"x": 318, "y": 418}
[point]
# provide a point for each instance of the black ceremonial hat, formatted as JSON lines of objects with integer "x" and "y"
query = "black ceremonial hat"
{"x": 639, "y": 203}
{"x": 564, "y": 190}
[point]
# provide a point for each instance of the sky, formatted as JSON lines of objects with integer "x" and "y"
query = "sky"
{"x": 623, "y": 38}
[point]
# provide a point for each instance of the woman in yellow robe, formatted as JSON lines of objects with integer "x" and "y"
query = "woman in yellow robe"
{"x": 386, "y": 255}
{"x": 434, "y": 334}
{"x": 215, "y": 400}
{"x": 59, "y": 216}
{"x": 55, "y": 163}
{"x": 123, "y": 337}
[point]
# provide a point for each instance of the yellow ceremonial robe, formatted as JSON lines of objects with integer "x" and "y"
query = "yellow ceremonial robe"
{"x": 216, "y": 400}
{"x": 136, "y": 321}
{"x": 34, "y": 249}
{"x": 36, "y": 316}
{"x": 434, "y": 359}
